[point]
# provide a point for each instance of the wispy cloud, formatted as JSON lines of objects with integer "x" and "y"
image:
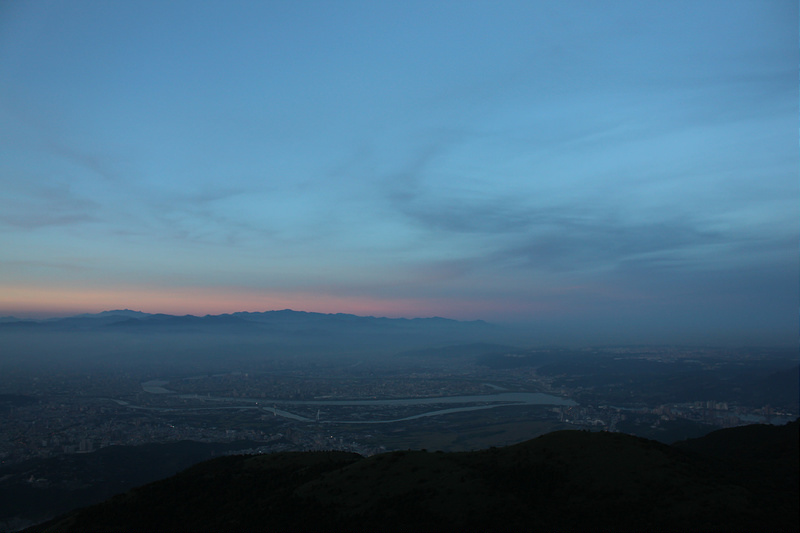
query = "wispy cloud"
{"x": 573, "y": 159}
{"x": 28, "y": 205}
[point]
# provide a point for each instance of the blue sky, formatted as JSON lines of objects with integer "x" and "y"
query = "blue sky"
{"x": 614, "y": 171}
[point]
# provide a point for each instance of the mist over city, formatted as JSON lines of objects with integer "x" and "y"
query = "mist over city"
{"x": 420, "y": 266}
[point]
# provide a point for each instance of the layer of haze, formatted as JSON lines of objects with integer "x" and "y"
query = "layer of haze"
{"x": 626, "y": 171}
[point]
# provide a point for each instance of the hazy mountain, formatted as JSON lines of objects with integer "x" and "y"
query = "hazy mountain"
{"x": 115, "y": 337}
{"x": 83, "y": 321}
{"x": 115, "y": 313}
{"x": 567, "y": 480}
{"x": 287, "y": 320}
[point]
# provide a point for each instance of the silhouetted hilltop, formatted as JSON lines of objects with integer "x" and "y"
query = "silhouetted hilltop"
{"x": 39, "y": 489}
{"x": 567, "y": 480}
{"x": 766, "y": 456}
{"x": 758, "y": 443}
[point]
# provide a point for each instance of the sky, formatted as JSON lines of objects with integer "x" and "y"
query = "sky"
{"x": 610, "y": 170}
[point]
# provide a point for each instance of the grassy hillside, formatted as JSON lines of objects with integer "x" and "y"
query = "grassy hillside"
{"x": 39, "y": 489}
{"x": 567, "y": 480}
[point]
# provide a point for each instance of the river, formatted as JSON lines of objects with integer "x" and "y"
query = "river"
{"x": 485, "y": 401}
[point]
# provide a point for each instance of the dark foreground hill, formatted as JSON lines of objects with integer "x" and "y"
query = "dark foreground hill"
{"x": 38, "y": 489}
{"x": 742, "y": 479}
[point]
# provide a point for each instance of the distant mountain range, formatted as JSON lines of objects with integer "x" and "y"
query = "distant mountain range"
{"x": 740, "y": 479}
{"x": 244, "y": 335}
{"x": 280, "y": 326}
{"x": 286, "y": 318}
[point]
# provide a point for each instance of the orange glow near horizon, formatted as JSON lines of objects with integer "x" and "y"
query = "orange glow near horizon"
{"x": 43, "y": 302}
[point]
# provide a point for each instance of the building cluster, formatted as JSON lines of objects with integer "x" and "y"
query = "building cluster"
{"x": 80, "y": 413}
{"x": 718, "y": 414}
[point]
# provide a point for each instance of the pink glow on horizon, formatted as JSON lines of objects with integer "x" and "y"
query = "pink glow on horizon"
{"x": 40, "y": 302}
